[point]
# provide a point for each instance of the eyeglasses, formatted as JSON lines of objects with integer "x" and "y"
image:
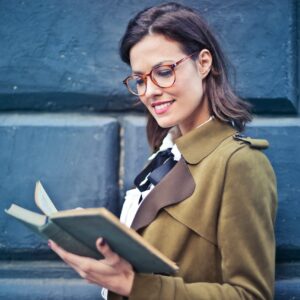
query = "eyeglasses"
{"x": 163, "y": 76}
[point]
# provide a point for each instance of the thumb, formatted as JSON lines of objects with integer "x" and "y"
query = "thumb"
{"x": 110, "y": 257}
{"x": 100, "y": 243}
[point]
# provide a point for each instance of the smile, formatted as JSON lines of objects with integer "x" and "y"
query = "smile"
{"x": 161, "y": 107}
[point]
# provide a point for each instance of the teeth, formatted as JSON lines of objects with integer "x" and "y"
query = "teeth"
{"x": 162, "y": 106}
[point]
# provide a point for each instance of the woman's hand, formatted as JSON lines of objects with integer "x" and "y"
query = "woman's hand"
{"x": 112, "y": 272}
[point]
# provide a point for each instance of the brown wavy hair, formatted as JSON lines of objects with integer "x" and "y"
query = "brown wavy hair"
{"x": 186, "y": 26}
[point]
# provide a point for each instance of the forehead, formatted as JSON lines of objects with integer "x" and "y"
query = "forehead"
{"x": 153, "y": 49}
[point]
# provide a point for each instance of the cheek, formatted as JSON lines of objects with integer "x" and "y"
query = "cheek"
{"x": 188, "y": 89}
{"x": 198, "y": 90}
{"x": 189, "y": 82}
{"x": 143, "y": 100}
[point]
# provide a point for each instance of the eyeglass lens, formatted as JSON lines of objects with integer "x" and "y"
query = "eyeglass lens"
{"x": 162, "y": 76}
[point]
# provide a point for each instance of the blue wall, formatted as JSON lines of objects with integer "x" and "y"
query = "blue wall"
{"x": 66, "y": 119}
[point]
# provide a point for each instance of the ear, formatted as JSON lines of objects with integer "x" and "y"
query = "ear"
{"x": 204, "y": 62}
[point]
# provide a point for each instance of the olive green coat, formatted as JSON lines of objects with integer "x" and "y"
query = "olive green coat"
{"x": 213, "y": 214}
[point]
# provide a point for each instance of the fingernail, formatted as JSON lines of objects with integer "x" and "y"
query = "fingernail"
{"x": 102, "y": 242}
{"x": 49, "y": 243}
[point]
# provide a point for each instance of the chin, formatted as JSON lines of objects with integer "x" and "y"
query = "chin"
{"x": 165, "y": 124}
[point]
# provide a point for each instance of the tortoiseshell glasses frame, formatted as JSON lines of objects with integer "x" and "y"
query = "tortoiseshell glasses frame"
{"x": 163, "y": 76}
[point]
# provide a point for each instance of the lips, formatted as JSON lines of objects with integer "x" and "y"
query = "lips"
{"x": 161, "y": 107}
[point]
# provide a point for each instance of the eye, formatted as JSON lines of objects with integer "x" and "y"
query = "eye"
{"x": 163, "y": 71}
{"x": 139, "y": 81}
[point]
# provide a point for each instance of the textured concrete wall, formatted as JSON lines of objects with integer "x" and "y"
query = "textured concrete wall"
{"x": 64, "y": 54}
{"x": 76, "y": 157}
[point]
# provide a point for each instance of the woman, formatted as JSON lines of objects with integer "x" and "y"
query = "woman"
{"x": 213, "y": 212}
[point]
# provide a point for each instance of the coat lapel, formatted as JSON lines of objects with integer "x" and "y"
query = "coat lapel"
{"x": 176, "y": 186}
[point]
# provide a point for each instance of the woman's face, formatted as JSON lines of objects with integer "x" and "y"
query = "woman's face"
{"x": 182, "y": 103}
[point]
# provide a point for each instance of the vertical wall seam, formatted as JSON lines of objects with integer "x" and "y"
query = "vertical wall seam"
{"x": 121, "y": 163}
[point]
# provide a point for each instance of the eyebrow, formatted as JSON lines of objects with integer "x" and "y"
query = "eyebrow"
{"x": 155, "y": 66}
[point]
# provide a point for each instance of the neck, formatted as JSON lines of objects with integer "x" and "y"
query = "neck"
{"x": 209, "y": 119}
{"x": 200, "y": 115}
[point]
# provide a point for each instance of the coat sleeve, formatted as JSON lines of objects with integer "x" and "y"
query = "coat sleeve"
{"x": 245, "y": 239}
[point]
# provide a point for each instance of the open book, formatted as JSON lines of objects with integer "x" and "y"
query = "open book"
{"x": 77, "y": 230}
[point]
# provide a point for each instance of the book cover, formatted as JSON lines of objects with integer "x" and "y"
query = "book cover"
{"x": 77, "y": 230}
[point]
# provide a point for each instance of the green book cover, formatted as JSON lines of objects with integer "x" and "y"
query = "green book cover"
{"x": 77, "y": 230}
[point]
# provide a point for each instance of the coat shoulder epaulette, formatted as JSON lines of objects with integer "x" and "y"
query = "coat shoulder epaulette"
{"x": 253, "y": 143}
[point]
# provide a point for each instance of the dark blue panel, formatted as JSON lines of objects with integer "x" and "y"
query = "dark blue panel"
{"x": 48, "y": 289}
{"x": 284, "y": 138}
{"x": 288, "y": 289}
{"x": 43, "y": 280}
{"x": 136, "y": 149}
{"x": 75, "y": 156}
{"x": 64, "y": 54}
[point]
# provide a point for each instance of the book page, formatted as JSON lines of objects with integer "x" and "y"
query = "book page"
{"x": 43, "y": 201}
{"x": 26, "y": 215}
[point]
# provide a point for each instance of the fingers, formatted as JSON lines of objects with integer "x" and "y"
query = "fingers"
{"x": 84, "y": 265}
{"x": 68, "y": 257}
{"x": 111, "y": 258}
{"x": 111, "y": 272}
{"x": 75, "y": 261}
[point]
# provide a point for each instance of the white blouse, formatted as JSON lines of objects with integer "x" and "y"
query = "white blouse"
{"x": 132, "y": 197}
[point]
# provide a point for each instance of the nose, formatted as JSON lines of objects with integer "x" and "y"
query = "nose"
{"x": 152, "y": 89}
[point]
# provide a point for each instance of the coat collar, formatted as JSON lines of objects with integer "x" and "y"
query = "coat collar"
{"x": 201, "y": 141}
{"x": 179, "y": 184}
{"x": 165, "y": 193}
